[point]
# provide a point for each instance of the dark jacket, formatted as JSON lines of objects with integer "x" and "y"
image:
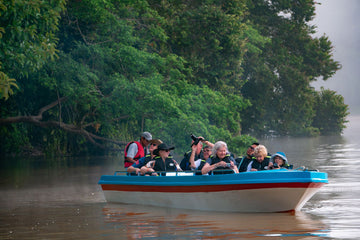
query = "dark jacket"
{"x": 142, "y": 161}
{"x": 185, "y": 163}
{"x": 227, "y": 159}
{"x": 260, "y": 166}
{"x": 242, "y": 163}
{"x": 169, "y": 164}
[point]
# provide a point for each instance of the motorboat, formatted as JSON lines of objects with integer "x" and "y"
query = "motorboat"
{"x": 280, "y": 190}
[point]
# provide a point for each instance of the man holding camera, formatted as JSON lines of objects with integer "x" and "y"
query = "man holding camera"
{"x": 196, "y": 152}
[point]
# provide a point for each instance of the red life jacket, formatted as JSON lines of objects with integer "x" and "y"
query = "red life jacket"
{"x": 140, "y": 153}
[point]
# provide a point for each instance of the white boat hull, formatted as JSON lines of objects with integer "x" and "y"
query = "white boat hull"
{"x": 257, "y": 200}
{"x": 227, "y": 196}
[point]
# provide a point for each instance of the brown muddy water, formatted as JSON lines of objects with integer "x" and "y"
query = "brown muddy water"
{"x": 60, "y": 199}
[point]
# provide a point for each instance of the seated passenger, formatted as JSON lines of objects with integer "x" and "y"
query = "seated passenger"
{"x": 136, "y": 149}
{"x": 279, "y": 160}
{"x": 243, "y": 162}
{"x": 260, "y": 160}
{"x": 197, "y": 165}
{"x": 162, "y": 161}
{"x": 220, "y": 159}
{"x": 196, "y": 150}
{"x": 135, "y": 168}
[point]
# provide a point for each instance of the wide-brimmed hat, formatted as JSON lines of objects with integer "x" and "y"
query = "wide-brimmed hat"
{"x": 146, "y": 135}
{"x": 156, "y": 141}
{"x": 280, "y": 154}
{"x": 163, "y": 146}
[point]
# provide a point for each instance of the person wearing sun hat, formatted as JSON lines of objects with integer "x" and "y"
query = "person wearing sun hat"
{"x": 278, "y": 160}
{"x": 139, "y": 167}
{"x": 163, "y": 161}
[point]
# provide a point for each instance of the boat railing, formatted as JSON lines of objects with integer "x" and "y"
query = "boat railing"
{"x": 175, "y": 173}
{"x": 159, "y": 173}
{"x": 305, "y": 169}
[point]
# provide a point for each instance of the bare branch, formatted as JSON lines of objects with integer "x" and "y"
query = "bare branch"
{"x": 36, "y": 120}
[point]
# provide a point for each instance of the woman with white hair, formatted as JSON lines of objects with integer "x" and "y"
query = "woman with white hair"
{"x": 220, "y": 159}
{"x": 260, "y": 160}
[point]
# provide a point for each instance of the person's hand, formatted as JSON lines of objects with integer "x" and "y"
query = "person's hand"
{"x": 221, "y": 164}
{"x": 145, "y": 170}
{"x": 193, "y": 148}
{"x": 253, "y": 169}
{"x": 271, "y": 165}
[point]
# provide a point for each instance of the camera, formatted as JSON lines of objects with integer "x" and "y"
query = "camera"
{"x": 195, "y": 139}
{"x": 276, "y": 165}
{"x": 228, "y": 165}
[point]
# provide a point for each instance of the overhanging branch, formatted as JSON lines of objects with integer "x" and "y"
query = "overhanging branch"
{"x": 36, "y": 120}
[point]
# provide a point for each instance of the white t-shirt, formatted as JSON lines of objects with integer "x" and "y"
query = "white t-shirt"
{"x": 197, "y": 163}
{"x": 132, "y": 150}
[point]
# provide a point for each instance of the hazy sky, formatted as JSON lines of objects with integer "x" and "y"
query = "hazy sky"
{"x": 339, "y": 20}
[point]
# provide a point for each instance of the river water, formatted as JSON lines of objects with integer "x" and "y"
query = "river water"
{"x": 43, "y": 199}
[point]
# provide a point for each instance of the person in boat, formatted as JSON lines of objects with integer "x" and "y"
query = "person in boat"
{"x": 136, "y": 149}
{"x": 260, "y": 160}
{"x": 163, "y": 161}
{"x": 278, "y": 160}
{"x": 220, "y": 160}
{"x": 196, "y": 150}
{"x": 197, "y": 165}
{"x": 243, "y": 162}
{"x": 140, "y": 166}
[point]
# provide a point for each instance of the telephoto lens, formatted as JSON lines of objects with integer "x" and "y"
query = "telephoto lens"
{"x": 195, "y": 139}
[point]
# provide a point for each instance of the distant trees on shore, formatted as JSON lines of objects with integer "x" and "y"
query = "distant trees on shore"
{"x": 78, "y": 74}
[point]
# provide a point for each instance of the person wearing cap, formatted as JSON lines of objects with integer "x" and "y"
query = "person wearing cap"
{"x": 139, "y": 167}
{"x": 136, "y": 149}
{"x": 163, "y": 161}
{"x": 278, "y": 160}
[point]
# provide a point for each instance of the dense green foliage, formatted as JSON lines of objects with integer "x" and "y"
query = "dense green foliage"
{"x": 99, "y": 72}
{"x": 330, "y": 111}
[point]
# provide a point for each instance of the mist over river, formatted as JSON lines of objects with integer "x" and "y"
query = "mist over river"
{"x": 47, "y": 199}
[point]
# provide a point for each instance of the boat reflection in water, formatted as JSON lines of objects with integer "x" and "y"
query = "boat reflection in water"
{"x": 134, "y": 222}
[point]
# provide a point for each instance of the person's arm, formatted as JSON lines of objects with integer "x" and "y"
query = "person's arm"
{"x": 144, "y": 170}
{"x": 233, "y": 166}
{"x": 208, "y": 143}
{"x": 192, "y": 157}
{"x": 207, "y": 167}
{"x": 133, "y": 149}
{"x": 249, "y": 167}
{"x": 178, "y": 168}
{"x": 133, "y": 169}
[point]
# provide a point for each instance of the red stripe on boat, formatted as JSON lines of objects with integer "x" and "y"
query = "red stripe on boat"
{"x": 207, "y": 188}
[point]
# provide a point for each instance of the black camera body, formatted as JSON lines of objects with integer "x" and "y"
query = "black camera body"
{"x": 195, "y": 139}
{"x": 275, "y": 165}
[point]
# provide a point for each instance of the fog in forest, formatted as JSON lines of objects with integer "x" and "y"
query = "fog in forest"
{"x": 339, "y": 20}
